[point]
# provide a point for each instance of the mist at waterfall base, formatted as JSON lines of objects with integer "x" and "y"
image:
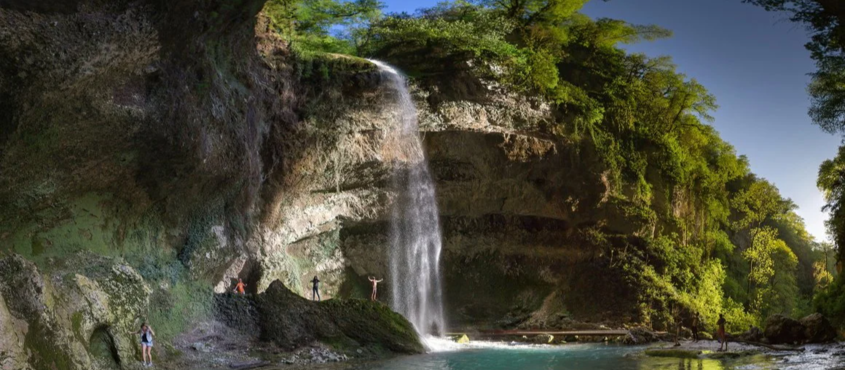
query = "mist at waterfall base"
{"x": 415, "y": 237}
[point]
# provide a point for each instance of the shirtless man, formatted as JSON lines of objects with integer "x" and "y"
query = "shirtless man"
{"x": 723, "y": 338}
{"x": 375, "y": 287}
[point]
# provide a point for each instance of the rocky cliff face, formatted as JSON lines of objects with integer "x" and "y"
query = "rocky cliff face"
{"x": 518, "y": 206}
{"x": 151, "y": 152}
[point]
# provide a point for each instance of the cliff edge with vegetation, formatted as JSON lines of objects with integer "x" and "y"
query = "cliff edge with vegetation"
{"x": 151, "y": 153}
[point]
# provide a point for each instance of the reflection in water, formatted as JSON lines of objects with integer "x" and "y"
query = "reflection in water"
{"x": 500, "y": 356}
{"x": 691, "y": 364}
{"x": 588, "y": 357}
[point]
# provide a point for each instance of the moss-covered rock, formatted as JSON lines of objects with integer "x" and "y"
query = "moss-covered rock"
{"x": 292, "y": 321}
{"x": 76, "y": 316}
{"x": 12, "y": 352}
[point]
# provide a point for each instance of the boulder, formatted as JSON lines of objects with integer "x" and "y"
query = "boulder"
{"x": 543, "y": 339}
{"x": 292, "y": 321}
{"x": 640, "y": 335}
{"x": 754, "y": 334}
{"x": 781, "y": 329}
{"x": 817, "y": 329}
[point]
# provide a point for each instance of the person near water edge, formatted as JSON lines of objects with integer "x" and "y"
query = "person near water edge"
{"x": 721, "y": 333}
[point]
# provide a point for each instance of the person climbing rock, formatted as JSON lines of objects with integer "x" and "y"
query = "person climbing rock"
{"x": 239, "y": 288}
{"x": 147, "y": 335}
{"x": 720, "y": 333}
{"x": 315, "y": 290}
{"x": 375, "y": 287}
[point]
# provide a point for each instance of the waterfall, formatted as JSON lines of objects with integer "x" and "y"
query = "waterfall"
{"x": 415, "y": 239}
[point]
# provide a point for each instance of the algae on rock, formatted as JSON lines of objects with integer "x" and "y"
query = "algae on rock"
{"x": 291, "y": 321}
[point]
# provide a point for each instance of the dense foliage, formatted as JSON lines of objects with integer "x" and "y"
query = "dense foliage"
{"x": 712, "y": 237}
{"x": 825, "y": 20}
{"x": 311, "y": 25}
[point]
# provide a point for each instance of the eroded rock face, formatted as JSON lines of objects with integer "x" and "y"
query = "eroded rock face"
{"x": 135, "y": 137}
{"x": 71, "y": 319}
{"x": 164, "y": 149}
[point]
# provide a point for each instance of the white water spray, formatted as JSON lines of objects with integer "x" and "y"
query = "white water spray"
{"x": 416, "y": 291}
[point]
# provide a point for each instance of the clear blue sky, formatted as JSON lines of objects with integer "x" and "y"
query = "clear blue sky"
{"x": 756, "y": 65}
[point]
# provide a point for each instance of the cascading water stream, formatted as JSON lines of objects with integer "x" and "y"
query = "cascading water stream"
{"x": 415, "y": 236}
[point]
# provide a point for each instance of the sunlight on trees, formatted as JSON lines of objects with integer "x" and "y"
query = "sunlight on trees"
{"x": 714, "y": 237}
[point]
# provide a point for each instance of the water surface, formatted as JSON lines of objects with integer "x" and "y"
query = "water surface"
{"x": 596, "y": 357}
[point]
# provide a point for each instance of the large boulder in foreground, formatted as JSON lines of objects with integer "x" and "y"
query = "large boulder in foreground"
{"x": 781, "y": 329}
{"x": 817, "y": 329}
{"x": 292, "y": 321}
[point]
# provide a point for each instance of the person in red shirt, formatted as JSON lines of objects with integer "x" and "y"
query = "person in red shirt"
{"x": 239, "y": 288}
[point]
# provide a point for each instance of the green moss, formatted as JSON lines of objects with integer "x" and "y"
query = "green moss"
{"x": 45, "y": 349}
{"x": 676, "y": 353}
{"x": 172, "y": 311}
{"x": 291, "y": 321}
{"x": 37, "y": 246}
{"x": 727, "y": 355}
{"x": 93, "y": 223}
{"x": 370, "y": 322}
{"x": 76, "y": 325}
{"x": 328, "y": 69}
{"x": 102, "y": 349}
{"x": 353, "y": 286}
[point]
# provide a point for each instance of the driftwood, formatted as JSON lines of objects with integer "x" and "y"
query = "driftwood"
{"x": 249, "y": 365}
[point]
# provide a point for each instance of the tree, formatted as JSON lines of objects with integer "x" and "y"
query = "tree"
{"x": 825, "y": 19}
{"x": 310, "y": 22}
{"x": 759, "y": 202}
{"x": 831, "y": 182}
{"x": 761, "y": 257}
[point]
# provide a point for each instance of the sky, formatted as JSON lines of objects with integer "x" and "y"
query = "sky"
{"x": 755, "y": 63}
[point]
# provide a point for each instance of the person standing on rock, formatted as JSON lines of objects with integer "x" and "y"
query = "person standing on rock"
{"x": 721, "y": 333}
{"x": 315, "y": 290}
{"x": 239, "y": 288}
{"x": 375, "y": 287}
{"x": 147, "y": 335}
